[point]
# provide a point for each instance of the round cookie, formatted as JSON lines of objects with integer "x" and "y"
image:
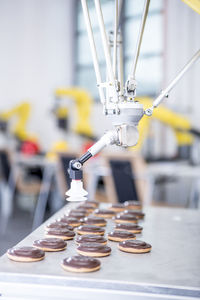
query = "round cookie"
{"x": 133, "y": 204}
{"x": 104, "y": 213}
{"x": 50, "y": 244}
{"x": 25, "y": 254}
{"x": 118, "y": 207}
{"x": 134, "y": 228}
{"x": 93, "y": 249}
{"x": 61, "y": 233}
{"x": 93, "y": 220}
{"x": 91, "y": 238}
{"x": 58, "y": 224}
{"x": 119, "y": 236}
{"x": 126, "y": 218}
{"x": 81, "y": 264}
{"x": 74, "y": 222}
{"x": 134, "y": 246}
{"x": 137, "y": 214}
{"x": 90, "y": 229}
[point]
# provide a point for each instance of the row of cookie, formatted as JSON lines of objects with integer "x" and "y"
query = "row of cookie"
{"x": 55, "y": 244}
{"x": 64, "y": 226}
{"x": 95, "y": 245}
{"x": 74, "y": 218}
{"x": 37, "y": 251}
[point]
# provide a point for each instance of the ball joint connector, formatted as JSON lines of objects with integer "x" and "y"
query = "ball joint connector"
{"x": 77, "y": 192}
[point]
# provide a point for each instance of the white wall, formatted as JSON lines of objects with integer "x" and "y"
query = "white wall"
{"x": 36, "y": 56}
{"x": 182, "y": 40}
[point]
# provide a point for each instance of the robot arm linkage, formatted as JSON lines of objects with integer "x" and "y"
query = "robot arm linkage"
{"x": 75, "y": 166}
{"x": 77, "y": 193}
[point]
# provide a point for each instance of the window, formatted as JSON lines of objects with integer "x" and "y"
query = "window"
{"x": 149, "y": 69}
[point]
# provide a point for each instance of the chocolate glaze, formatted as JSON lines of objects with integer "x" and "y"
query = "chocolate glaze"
{"x": 134, "y": 244}
{"x": 121, "y": 234}
{"x": 90, "y": 238}
{"x": 94, "y": 220}
{"x": 60, "y": 231}
{"x": 138, "y": 214}
{"x": 128, "y": 226}
{"x": 104, "y": 212}
{"x": 118, "y": 205}
{"x": 69, "y": 220}
{"x": 86, "y": 206}
{"x": 126, "y": 217}
{"x": 58, "y": 224}
{"x": 77, "y": 215}
{"x": 51, "y": 243}
{"x": 81, "y": 210}
{"x": 94, "y": 247}
{"x": 31, "y": 252}
{"x": 79, "y": 261}
{"x": 90, "y": 228}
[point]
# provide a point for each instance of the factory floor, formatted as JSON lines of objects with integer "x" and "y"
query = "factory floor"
{"x": 20, "y": 225}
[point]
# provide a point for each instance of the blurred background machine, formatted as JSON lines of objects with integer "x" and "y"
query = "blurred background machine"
{"x": 181, "y": 126}
{"x": 13, "y": 123}
{"x": 83, "y": 104}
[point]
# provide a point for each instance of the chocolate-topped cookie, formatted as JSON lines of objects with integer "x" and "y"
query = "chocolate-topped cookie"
{"x": 91, "y": 238}
{"x": 74, "y": 222}
{"x": 93, "y": 220}
{"x": 134, "y": 246}
{"x": 61, "y": 233}
{"x": 25, "y": 254}
{"x": 134, "y": 228}
{"x": 138, "y": 214}
{"x": 119, "y": 236}
{"x": 118, "y": 207}
{"x": 90, "y": 229}
{"x": 126, "y": 218}
{"x": 133, "y": 204}
{"x": 58, "y": 224}
{"x": 93, "y": 249}
{"x": 104, "y": 213}
{"x": 50, "y": 244}
{"x": 81, "y": 264}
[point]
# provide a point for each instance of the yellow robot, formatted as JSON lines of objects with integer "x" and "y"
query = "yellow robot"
{"x": 22, "y": 113}
{"x": 83, "y": 102}
{"x": 194, "y": 4}
{"x": 181, "y": 126}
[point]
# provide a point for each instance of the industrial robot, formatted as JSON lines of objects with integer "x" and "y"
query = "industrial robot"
{"x": 118, "y": 98}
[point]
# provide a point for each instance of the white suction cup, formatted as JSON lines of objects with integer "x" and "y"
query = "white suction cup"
{"x": 76, "y": 192}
